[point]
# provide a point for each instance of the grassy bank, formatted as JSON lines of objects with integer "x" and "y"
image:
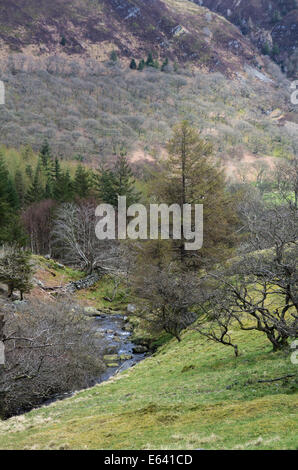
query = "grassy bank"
{"x": 187, "y": 396}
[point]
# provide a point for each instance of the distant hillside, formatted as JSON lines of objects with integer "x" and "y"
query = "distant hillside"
{"x": 271, "y": 24}
{"x": 92, "y": 111}
{"x": 177, "y": 29}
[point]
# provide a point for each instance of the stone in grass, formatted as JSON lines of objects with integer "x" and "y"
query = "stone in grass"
{"x": 90, "y": 311}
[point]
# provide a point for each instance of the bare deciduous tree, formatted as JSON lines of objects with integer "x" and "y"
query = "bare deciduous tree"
{"x": 167, "y": 299}
{"x": 50, "y": 349}
{"x": 75, "y": 242}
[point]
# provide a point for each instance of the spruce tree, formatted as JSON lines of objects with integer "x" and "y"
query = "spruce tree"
{"x": 45, "y": 154}
{"x": 141, "y": 65}
{"x": 165, "y": 64}
{"x": 36, "y": 191}
{"x": 104, "y": 183}
{"x": 20, "y": 187}
{"x": 82, "y": 182}
{"x": 124, "y": 182}
{"x": 133, "y": 64}
{"x": 150, "y": 61}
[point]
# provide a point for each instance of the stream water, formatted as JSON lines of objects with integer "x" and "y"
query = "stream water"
{"x": 111, "y": 328}
{"x": 118, "y": 339}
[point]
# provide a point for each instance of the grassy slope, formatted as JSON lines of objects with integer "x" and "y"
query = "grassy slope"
{"x": 186, "y": 396}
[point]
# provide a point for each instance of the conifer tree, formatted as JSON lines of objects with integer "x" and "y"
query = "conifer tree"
{"x": 36, "y": 190}
{"x": 133, "y": 64}
{"x": 104, "y": 184}
{"x": 164, "y": 64}
{"x": 45, "y": 154}
{"x": 20, "y": 187}
{"x": 124, "y": 182}
{"x": 141, "y": 65}
{"x": 150, "y": 61}
{"x": 192, "y": 177}
{"x": 82, "y": 182}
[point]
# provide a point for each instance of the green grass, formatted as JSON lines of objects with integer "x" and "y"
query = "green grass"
{"x": 188, "y": 395}
{"x": 104, "y": 289}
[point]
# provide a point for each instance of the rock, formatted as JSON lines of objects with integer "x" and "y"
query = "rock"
{"x": 18, "y": 302}
{"x": 47, "y": 257}
{"x": 113, "y": 364}
{"x": 110, "y": 350}
{"x": 91, "y": 311}
{"x": 59, "y": 265}
{"x": 131, "y": 308}
{"x": 111, "y": 358}
{"x": 98, "y": 334}
{"x": 125, "y": 357}
{"x": 127, "y": 327}
{"x": 139, "y": 349}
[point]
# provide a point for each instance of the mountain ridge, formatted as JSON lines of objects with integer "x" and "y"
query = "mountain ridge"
{"x": 177, "y": 29}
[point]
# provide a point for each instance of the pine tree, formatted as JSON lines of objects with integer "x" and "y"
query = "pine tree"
{"x": 82, "y": 182}
{"x": 104, "y": 183}
{"x": 45, "y": 154}
{"x": 20, "y": 187}
{"x": 12, "y": 195}
{"x": 141, "y": 65}
{"x": 133, "y": 64}
{"x": 63, "y": 191}
{"x": 150, "y": 61}
{"x": 165, "y": 64}
{"x": 5, "y": 209}
{"x": 124, "y": 182}
{"x": 36, "y": 191}
{"x": 114, "y": 56}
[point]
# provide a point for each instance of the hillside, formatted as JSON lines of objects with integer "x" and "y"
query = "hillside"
{"x": 186, "y": 396}
{"x": 105, "y": 109}
{"x": 176, "y": 29}
{"x": 270, "y": 24}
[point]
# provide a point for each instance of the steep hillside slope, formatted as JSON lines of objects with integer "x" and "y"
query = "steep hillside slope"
{"x": 270, "y": 24}
{"x": 177, "y": 29}
{"x": 187, "y": 396}
{"x": 92, "y": 111}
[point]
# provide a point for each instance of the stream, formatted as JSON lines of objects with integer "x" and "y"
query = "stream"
{"x": 111, "y": 328}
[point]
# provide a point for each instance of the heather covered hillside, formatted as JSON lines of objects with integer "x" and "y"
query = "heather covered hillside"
{"x": 177, "y": 29}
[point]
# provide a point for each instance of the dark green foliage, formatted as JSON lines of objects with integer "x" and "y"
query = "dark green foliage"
{"x": 104, "y": 184}
{"x": 275, "y": 50}
{"x": 15, "y": 269}
{"x": 63, "y": 41}
{"x": 133, "y": 64}
{"x": 45, "y": 154}
{"x": 266, "y": 49}
{"x": 141, "y": 65}
{"x": 36, "y": 191}
{"x": 119, "y": 181}
{"x": 82, "y": 183}
{"x": 113, "y": 56}
{"x": 164, "y": 64}
{"x": 124, "y": 181}
{"x": 150, "y": 60}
